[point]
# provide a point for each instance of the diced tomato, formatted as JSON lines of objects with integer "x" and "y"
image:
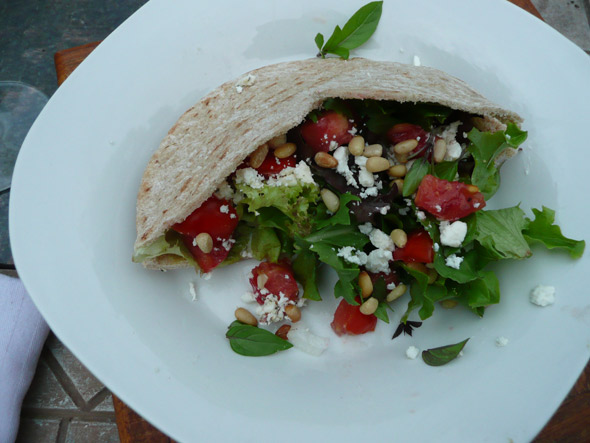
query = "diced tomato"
{"x": 330, "y": 126}
{"x": 406, "y": 131}
{"x": 280, "y": 281}
{"x": 418, "y": 248}
{"x": 216, "y": 217}
{"x": 448, "y": 200}
{"x": 349, "y": 320}
{"x": 273, "y": 165}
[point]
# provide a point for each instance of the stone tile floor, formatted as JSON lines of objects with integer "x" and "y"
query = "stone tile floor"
{"x": 66, "y": 403}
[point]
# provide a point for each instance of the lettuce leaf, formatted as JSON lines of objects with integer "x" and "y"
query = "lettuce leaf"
{"x": 500, "y": 232}
{"x": 168, "y": 244}
{"x": 543, "y": 230}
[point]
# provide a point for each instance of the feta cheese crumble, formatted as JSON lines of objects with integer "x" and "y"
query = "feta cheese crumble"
{"x": 246, "y": 81}
{"x": 341, "y": 154}
{"x": 501, "y": 341}
{"x": 417, "y": 61}
{"x": 224, "y": 209}
{"x": 543, "y": 295}
{"x": 352, "y": 255}
{"x": 412, "y": 352}
{"x": 452, "y": 234}
{"x": 381, "y": 240}
{"x": 454, "y": 261}
{"x": 378, "y": 261}
{"x": 192, "y": 290}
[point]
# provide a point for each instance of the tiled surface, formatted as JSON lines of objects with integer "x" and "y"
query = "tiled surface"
{"x": 66, "y": 403}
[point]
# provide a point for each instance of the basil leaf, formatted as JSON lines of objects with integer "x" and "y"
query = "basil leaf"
{"x": 500, "y": 232}
{"x": 254, "y": 342}
{"x": 414, "y": 176}
{"x": 342, "y": 216}
{"x": 543, "y": 230}
{"x": 442, "y": 355}
{"x": 357, "y": 30}
{"x": 319, "y": 41}
{"x": 381, "y": 312}
{"x": 338, "y": 235}
{"x": 305, "y": 267}
{"x": 446, "y": 170}
{"x": 265, "y": 245}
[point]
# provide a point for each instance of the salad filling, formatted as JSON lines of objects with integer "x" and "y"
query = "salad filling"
{"x": 389, "y": 195}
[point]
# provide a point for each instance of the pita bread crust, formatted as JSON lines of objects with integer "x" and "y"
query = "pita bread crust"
{"x": 212, "y": 138}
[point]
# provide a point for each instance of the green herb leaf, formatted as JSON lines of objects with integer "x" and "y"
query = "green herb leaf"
{"x": 342, "y": 216}
{"x": 357, "y": 30}
{"x": 381, "y": 312}
{"x": 446, "y": 170}
{"x": 442, "y": 355}
{"x": 414, "y": 176}
{"x": 468, "y": 269}
{"x": 265, "y": 245}
{"x": 500, "y": 232}
{"x": 305, "y": 267}
{"x": 254, "y": 342}
{"x": 338, "y": 235}
{"x": 543, "y": 230}
{"x": 319, "y": 41}
{"x": 169, "y": 244}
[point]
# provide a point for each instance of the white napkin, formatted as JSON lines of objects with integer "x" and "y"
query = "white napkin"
{"x": 22, "y": 334}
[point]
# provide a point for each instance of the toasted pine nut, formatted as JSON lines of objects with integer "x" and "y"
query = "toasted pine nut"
{"x": 472, "y": 188}
{"x": 400, "y": 185}
{"x": 356, "y": 145}
{"x": 245, "y": 316}
{"x": 370, "y": 306}
{"x": 293, "y": 312}
{"x": 373, "y": 151}
{"x": 406, "y": 146}
{"x": 204, "y": 242}
{"x": 401, "y": 158}
{"x": 258, "y": 156}
{"x": 277, "y": 141}
{"x": 449, "y": 304}
{"x": 396, "y": 292}
{"x": 285, "y": 150}
{"x": 283, "y": 331}
{"x": 399, "y": 237}
{"x": 365, "y": 284}
{"x": 432, "y": 275}
{"x": 261, "y": 280}
{"x": 417, "y": 267}
{"x": 330, "y": 199}
{"x": 377, "y": 164}
{"x": 439, "y": 150}
{"x": 325, "y": 160}
{"x": 397, "y": 171}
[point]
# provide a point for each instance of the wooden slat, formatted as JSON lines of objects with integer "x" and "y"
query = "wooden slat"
{"x": 571, "y": 422}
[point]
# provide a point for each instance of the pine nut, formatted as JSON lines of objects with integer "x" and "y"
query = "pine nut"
{"x": 325, "y": 160}
{"x": 244, "y": 316}
{"x": 277, "y": 141}
{"x": 439, "y": 150}
{"x": 370, "y": 306}
{"x": 283, "y": 331}
{"x": 293, "y": 312}
{"x": 285, "y": 150}
{"x": 258, "y": 156}
{"x": 261, "y": 280}
{"x": 396, "y": 292}
{"x": 377, "y": 164}
{"x": 406, "y": 146}
{"x": 400, "y": 185}
{"x": 432, "y": 276}
{"x": 397, "y": 171}
{"x": 417, "y": 267}
{"x": 373, "y": 151}
{"x": 399, "y": 237}
{"x": 365, "y": 284}
{"x": 401, "y": 158}
{"x": 356, "y": 146}
{"x": 472, "y": 188}
{"x": 204, "y": 242}
{"x": 330, "y": 199}
{"x": 449, "y": 304}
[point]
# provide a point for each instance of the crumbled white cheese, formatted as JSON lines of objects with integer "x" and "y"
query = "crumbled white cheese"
{"x": 248, "y": 297}
{"x": 352, "y": 255}
{"x": 224, "y": 191}
{"x": 333, "y": 145}
{"x": 341, "y": 154}
{"x": 273, "y": 309}
{"x": 501, "y": 341}
{"x": 420, "y": 215}
{"x": 353, "y": 131}
{"x": 391, "y": 286}
{"x": 246, "y": 81}
{"x": 250, "y": 177}
{"x": 404, "y": 211}
{"x": 369, "y": 192}
{"x": 454, "y": 261}
{"x": 543, "y": 295}
{"x": 453, "y": 234}
{"x": 438, "y": 208}
{"x": 224, "y": 209}
{"x": 412, "y": 352}
{"x": 476, "y": 205}
{"x": 303, "y": 339}
{"x": 366, "y": 228}
{"x": 384, "y": 210}
{"x": 417, "y": 61}
{"x": 206, "y": 276}
{"x": 454, "y": 149}
{"x": 381, "y": 240}
{"x": 232, "y": 215}
{"x": 366, "y": 178}
{"x": 378, "y": 261}
{"x": 436, "y": 247}
{"x": 227, "y": 244}
{"x": 193, "y": 291}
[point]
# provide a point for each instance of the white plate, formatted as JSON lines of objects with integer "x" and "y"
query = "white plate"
{"x": 72, "y": 227}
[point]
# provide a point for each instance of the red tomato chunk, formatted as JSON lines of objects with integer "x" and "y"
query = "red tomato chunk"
{"x": 448, "y": 200}
{"x": 216, "y": 217}
{"x": 273, "y": 278}
{"x": 273, "y": 165}
{"x": 418, "y": 248}
{"x": 330, "y": 126}
{"x": 349, "y": 320}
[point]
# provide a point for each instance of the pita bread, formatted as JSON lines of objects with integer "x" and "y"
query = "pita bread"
{"x": 213, "y": 137}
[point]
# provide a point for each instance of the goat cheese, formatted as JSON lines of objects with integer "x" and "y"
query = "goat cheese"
{"x": 366, "y": 228}
{"x": 224, "y": 209}
{"x": 501, "y": 341}
{"x": 351, "y": 255}
{"x": 543, "y": 295}
{"x": 250, "y": 177}
{"x": 453, "y": 261}
{"x": 341, "y": 154}
{"x": 381, "y": 240}
{"x": 453, "y": 234}
{"x": 412, "y": 352}
{"x": 417, "y": 61}
{"x": 273, "y": 309}
{"x": 378, "y": 261}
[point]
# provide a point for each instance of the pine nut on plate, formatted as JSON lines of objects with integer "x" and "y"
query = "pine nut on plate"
{"x": 370, "y": 306}
{"x": 258, "y": 156}
{"x": 325, "y": 160}
{"x": 330, "y": 199}
{"x": 356, "y": 146}
{"x": 406, "y": 146}
{"x": 373, "y": 151}
{"x": 285, "y": 150}
{"x": 204, "y": 242}
{"x": 277, "y": 141}
{"x": 377, "y": 164}
{"x": 397, "y": 171}
{"x": 365, "y": 284}
{"x": 245, "y": 316}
